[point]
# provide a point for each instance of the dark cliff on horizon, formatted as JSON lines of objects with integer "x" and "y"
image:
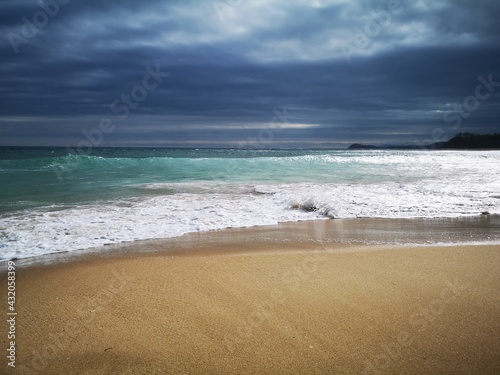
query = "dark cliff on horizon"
{"x": 462, "y": 141}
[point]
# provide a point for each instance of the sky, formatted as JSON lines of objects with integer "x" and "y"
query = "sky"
{"x": 247, "y": 73}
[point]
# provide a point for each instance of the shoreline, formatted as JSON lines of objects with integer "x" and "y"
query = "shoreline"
{"x": 467, "y": 230}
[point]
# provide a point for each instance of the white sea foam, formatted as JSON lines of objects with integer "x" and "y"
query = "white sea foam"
{"x": 173, "y": 215}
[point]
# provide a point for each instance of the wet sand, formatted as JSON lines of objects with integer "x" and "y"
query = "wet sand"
{"x": 262, "y": 301}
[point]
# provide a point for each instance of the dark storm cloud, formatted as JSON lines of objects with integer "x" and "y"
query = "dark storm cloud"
{"x": 231, "y": 63}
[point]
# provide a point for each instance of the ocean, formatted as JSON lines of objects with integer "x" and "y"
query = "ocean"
{"x": 52, "y": 200}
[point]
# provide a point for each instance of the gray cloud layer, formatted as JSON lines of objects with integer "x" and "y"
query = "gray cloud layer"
{"x": 346, "y": 71}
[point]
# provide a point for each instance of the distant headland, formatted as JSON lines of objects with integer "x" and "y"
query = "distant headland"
{"x": 462, "y": 141}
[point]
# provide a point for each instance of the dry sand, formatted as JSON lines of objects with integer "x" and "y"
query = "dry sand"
{"x": 261, "y": 307}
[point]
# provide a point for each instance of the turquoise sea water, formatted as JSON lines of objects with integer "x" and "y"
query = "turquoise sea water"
{"x": 35, "y": 177}
{"x": 53, "y": 200}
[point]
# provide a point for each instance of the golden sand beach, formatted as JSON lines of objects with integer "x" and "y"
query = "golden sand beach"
{"x": 242, "y": 302}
